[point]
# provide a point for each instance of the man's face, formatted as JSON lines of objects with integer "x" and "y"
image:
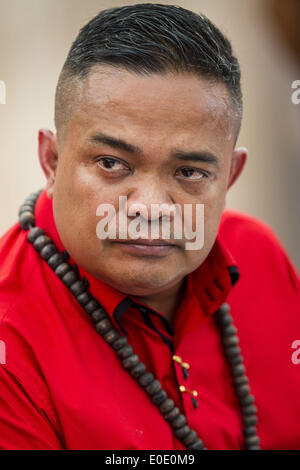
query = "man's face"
{"x": 167, "y": 121}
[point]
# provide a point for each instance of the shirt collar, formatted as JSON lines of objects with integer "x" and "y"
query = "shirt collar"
{"x": 206, "y": 288}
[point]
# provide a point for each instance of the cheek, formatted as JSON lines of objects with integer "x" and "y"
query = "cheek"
{"x": 206, "y": 231}
{"x": 207, "y": 209}
{"x": 77, "y": 195}
{"x": 213, "y": 212}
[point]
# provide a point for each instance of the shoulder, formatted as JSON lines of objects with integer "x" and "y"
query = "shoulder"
{"x": 18, "y": 266}
{"x": 235, "y": 223}
{"x": 18, "y": 263}
{"x": 239, "y": 230}
{"x": 256, "y": 247}
{"x": 22, "y": 321}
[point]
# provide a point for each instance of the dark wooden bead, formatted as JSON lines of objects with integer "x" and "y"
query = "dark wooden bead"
{"x": 35, "y": 233}
{"x": 252, "y": 441}
{"x": 198, "y": 445}
{"x": 247, "y": 400}
{"x": 78, "y": 288}
{"x": 243, "y": 390}
{"x": 34, "y": 196}
{"x": 235, "y": 360}
{"x": 250, "y": 420}
{"x": 182, "y": 432}
{"x": 125, "y": 351}
{"x": 30, "y": 201}
{"x": 31, "y": 198}
{"x": 41, "y": 242}
{"x": 229, "y": 331}
{"x": 26, "y": 208}
{"x": 153, "y": 387}
{"x": 159, "y": 397}
{"x": 230, "y": 341}
{"x": 179, "y": 421}
{"x": 249, "y": 410}
{"x": 233, "y": 352}
{"x": 48, "y": 251}
{"x": 238, "y": 370}
{"x": 171, "y": 415}
{"x": 225, "y": 321}
{"x": 104, "y": 326}
{"x": 69, "y": 278}
{"x": 224, "y": 310}
{"x": 119, "y": 343}
{"x": 190, "y": 439}
{"x": 131, "y": 361}
{"x": 99, "y": 315}
{"x": 167, "y": 405}
{"x": 27, "y": 220}
{"x": 92, "y": 306}
{"x": 84, "y": 298}
{"x": 146, "y": 379}
{"x": 241, "y": 380}
{"x": 250, "y": 431}
{"x": 111, "y": 336}
{"x": 138, "y": 370}
{"x": 62, "y": 269}
{"x": 55, "y": 261}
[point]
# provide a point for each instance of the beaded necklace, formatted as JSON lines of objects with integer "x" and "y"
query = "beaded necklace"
{"x": 129, "y": 360}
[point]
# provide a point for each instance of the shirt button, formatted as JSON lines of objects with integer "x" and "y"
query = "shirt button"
{"x": 193, "y": 393}
{"x": 179, "y": 360}
{"x": 183, "y": 389}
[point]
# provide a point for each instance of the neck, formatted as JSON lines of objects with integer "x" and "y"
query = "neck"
{"x": 165, "y": 302}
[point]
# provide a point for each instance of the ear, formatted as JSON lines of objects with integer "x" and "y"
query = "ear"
{"x": 238, "y": 162}
{"x": 48, "y": 156}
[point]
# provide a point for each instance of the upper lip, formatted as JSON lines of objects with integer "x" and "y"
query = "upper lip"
{"x": 140, "y": 241}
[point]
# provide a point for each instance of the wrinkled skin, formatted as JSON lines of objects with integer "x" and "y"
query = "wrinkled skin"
{"x": 160, "y": 115}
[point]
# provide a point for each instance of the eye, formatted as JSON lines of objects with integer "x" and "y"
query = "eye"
{"x": 193, "y": 174}
{"x": 112, "y": 164}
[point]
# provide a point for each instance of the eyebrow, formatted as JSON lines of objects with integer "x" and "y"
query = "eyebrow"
{"x": 201, "y": 156}
{"x": 115, "y": 143}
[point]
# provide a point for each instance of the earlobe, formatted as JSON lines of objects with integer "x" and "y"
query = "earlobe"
{"x": 48, "y": 156}
{"x": 239, "y": 159}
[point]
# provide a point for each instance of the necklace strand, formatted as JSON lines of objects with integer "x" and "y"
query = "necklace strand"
{"x": 129, "y": 360}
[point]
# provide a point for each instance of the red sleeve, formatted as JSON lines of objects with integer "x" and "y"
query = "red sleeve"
{"x": 249, "y": 238}
{"x": 24, "y": 421}
{"x": 291, "y": 269}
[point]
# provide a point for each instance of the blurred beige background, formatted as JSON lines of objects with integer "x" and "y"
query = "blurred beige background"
{"x": 35, "y": 36}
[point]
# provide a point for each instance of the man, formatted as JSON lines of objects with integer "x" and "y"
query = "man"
{"x": 148, "y": 108}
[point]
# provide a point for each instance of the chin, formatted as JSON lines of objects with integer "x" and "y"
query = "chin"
{"x": 141, "y": 282}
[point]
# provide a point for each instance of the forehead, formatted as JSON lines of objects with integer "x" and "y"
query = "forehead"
{"x": 176, "y": 106}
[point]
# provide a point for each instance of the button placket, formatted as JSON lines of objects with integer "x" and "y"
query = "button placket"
{"x": 185, "y": 367}
{"x": 192, "y": 393}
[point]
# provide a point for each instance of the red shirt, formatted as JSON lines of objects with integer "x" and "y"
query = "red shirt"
{"x": 63, "y": 387}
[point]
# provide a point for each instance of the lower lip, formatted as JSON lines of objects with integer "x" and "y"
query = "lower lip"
{"x": 146, "y": 250}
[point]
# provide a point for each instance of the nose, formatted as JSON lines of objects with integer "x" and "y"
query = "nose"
{"x": 150, "y": 200}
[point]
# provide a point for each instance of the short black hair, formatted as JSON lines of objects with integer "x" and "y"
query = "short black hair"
{"x": 148, "y": 39}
